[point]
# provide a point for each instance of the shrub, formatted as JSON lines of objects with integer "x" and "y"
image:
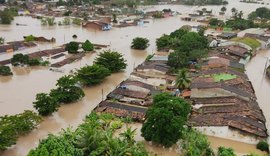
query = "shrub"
{"x": 263, "y": 146}
{"x": 5, "y": 71}
{"x": 87, "y": 46}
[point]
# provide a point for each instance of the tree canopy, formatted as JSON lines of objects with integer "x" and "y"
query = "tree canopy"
{"x": 139, "y": 43}
{"x": 222, "y": 151}
{"x": 262, "y": 12}
{"x": 93, "y": 137}
{"x": 11, "y": 127}
{"x": 111, "y": 60}
{"x": 72, "y": 47}
{"x": 165, "y": 119}
{"x": 45, "y": 104}
{"x": 67, "y": 91}
{"x": 92, "y": 75}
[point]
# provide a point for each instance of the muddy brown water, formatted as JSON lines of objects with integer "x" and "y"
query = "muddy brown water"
{"x": 18, "y": 92}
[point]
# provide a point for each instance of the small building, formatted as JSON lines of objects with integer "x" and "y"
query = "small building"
{"x": 98, "y": 25}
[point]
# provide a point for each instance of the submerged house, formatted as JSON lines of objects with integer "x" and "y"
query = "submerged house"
{"x": 98, "y": 25}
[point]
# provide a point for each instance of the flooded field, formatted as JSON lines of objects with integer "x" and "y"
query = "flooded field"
{"x": 18, "y": 92}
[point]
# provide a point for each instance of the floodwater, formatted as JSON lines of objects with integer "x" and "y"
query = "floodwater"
{"x": 18, "y": 92}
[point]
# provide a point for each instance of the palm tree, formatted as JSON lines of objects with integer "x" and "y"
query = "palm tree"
{"x": 128, "y": 135}
{"x": 183, "y": 79}
{"x": 2, "y": 40}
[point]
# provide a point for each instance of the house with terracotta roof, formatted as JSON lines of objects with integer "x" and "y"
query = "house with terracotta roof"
{"x": 97, "y": 25}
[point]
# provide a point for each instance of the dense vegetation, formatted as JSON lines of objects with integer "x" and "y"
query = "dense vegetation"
{"x": 139, "y": 43}
{"x": 93, "y": 137}
{"x": 11, "y": 127}
{"x": 165, "y": 120}
{"x": 183, "y": 79}
{"x": 194, "y": 143}
{"x": 111, "y": 60}
{"x": 5, "y": 70}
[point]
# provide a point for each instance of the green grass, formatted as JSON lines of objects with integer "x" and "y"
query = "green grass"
{"x": 253, "y": 43}
{"x": 224, "y": 77}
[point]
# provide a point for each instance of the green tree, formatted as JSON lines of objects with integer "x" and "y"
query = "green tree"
{"x": 139, "y": 43}
{"x": 240, "y": 14}
{"x": 67, "y": 91}
{"x": 111, "y": 60}
{"x": 183, "y": 79}
{"x": 45, "y": 104}
{"x": 72, "y": 47}
{"x": 177, "y": 59}
{"x": 5, "y": 70}
{"x": 191, "y": 41}
{"x": 114, "y": 18}
{"x": 87, "y": 46}
{"x": 222, "y": 151}
{"x": 92, "y": 75}
{"x": 165, "y": 120}
{"x": 179, "y": 33}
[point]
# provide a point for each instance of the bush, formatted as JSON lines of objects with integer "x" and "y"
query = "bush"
{"x": 5, "y": 71}
{"x": 139, "y": 43}
{"x": 87, "y": 46}
{"x": 29, "y": 38}
{"x": 263, "y": 146}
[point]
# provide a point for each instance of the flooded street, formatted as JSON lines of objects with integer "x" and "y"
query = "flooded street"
{"x": 18, "y": 92}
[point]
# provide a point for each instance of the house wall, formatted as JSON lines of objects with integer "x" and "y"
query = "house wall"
{"x": 151, "y": 81}
{"x": 93, "y": 26}
{"x": 151, "y": 71}
{"x": 227, "y": 133}
{"x": 137, "y": 88}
